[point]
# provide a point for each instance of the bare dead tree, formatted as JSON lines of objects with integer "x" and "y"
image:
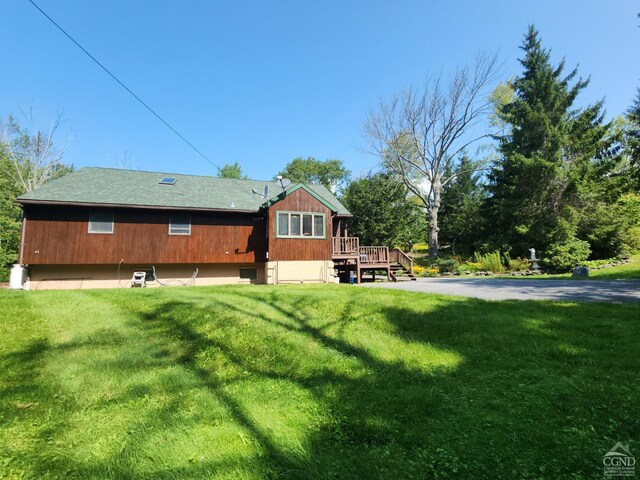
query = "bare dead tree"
{"x": 420, "y": 132}
{"x": 34, "y": 158}
{"x": 124, "y": 163}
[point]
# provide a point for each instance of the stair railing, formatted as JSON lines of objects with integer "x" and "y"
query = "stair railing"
{"x": 398, "y": 256}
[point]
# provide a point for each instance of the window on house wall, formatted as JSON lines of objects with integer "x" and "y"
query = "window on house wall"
{"x": 180, "y": 225}
{"x": 101, "y": 222}
{"x": 295, "y": 224}
{"x": 249, "y": 273}
{"x": 283, "y": 224}
{"x": 301, "y": 225}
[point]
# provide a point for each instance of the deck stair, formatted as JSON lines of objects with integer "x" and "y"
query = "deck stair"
{"x": 401, "y": 266}
{"x": 399, "y": 273}
{"x": 350, "y": 258}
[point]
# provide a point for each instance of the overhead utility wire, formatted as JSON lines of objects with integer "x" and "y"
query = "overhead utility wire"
{"x": 122, "y": 84}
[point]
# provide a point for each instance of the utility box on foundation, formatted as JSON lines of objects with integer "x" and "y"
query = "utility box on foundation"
{"x": 17, "y": 277}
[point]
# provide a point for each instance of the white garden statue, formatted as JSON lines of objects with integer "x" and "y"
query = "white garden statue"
{"x": 535, "y": 265}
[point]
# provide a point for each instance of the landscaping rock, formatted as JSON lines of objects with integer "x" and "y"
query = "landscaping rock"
{"x": 580, "y": 272}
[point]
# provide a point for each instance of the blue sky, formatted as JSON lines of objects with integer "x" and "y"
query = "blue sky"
{"x": 261, "y": 82}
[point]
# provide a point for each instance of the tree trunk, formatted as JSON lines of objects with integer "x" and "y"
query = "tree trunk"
{"x": 433, "y": 219}
{"x": 433, "y": 232}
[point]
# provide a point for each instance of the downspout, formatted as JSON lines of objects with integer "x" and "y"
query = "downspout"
{"x": 22, "y": 244}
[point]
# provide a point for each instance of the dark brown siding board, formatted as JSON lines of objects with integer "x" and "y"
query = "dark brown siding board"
{"x": 303, "y": 248}
{"x": 59, "y": 235}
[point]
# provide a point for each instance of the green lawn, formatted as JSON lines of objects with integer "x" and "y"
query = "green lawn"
{"x": 256, "y": 382}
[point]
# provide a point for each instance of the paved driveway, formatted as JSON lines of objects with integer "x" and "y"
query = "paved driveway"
{"x": 508, "y": 289}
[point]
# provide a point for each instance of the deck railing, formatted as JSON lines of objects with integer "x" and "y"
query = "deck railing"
{"x": 346, "y": 245}
{"x": 398, "y": 256}
{"x": 374, "y": 254}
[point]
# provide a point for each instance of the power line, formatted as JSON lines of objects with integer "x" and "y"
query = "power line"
{"x": 122, "y": 84}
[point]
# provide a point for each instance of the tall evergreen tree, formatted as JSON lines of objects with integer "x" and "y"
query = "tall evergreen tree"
{"x": 632, "y": 140}
{"x": 460, "y": 220}
{"x": 546, "y": 155}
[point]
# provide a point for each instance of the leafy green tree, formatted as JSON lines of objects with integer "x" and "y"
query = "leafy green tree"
{"x": 330, "y": 173}
{"x": 460, "y": 220}
{"x": 383, "y": 214}
{"x": 10, "y": 216}
{"x": 232, "y": 170}
{"x": 27, "y": 161}
{"x": 548, "y": 155}
{"x": 34, "y": 158}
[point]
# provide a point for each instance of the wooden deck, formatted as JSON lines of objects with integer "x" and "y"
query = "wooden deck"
{"x": 349, "y": 256}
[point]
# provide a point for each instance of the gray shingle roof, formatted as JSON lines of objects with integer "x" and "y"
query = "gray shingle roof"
{"x": 108, "y": 186}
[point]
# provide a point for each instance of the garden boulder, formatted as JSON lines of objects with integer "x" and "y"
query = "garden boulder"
{"x": 580, "y": 272}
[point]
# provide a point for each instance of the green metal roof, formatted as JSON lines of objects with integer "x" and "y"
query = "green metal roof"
{"x": 109, "y": 186}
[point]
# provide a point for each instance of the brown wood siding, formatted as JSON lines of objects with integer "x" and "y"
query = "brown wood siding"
{"x": 302, "y": 248}
{"x": 59, "y": 235}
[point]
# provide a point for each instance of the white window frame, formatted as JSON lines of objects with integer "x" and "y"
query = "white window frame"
{"x": 93, "y": 222}
{"x": 313, "y": 235}
{"x": 179, "y": 226}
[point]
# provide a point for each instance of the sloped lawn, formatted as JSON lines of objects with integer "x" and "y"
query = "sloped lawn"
{"x": 626, "y": 271}
{"x": 310, "y": 382}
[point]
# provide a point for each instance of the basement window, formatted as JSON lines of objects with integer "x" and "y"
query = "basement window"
{"x": 101, "y": 222}
{"x": 180, "y": 225}
{"x": 249, "y": 274}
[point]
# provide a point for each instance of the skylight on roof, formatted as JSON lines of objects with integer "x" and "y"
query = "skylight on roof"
{"x": 167, "y": 181}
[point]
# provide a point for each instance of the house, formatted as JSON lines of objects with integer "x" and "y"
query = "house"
{"x": 95, "y": 227}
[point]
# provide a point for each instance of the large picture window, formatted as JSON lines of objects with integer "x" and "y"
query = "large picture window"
{"x": 101, "y": 222}
{"x": 301, "y": 225}
{"x": 180, "y": 225}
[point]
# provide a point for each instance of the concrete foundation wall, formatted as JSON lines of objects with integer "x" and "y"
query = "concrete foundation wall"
{"x": 50, "y": 277}
{"x": 300, "y": 271}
